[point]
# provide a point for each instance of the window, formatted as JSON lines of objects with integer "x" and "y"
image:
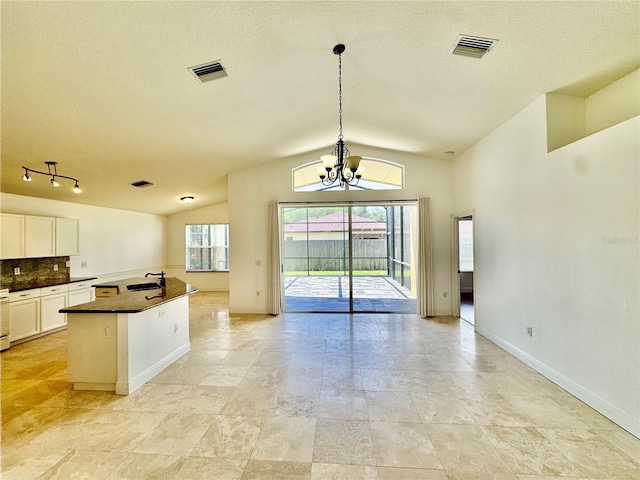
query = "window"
{"x": 380, "y": 175}
{"x": 207, "y": 248}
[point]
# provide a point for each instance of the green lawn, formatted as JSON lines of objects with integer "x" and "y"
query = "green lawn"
{"x": 322, "y": 273}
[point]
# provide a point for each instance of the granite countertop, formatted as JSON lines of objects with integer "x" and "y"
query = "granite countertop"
{"x": 134, "y": 301}
{"x": 42, "y": 283}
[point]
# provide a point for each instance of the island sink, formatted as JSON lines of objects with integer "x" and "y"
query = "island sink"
{"x": 143, "y": 286}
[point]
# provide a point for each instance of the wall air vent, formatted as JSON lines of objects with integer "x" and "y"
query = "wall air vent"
{"x": 474, "y": 47}
{"x": 208, "y": 71}
{"x": 141, "y": 184}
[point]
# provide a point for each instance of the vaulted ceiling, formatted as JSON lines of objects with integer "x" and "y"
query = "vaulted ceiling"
{"x": 103, "y": 87}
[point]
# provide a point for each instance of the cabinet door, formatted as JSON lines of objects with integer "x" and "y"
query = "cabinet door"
{"x": 39, "y": 238}
{"x": 25, "y": 318}
{"x": 11, "y": 235}
{"x": 49, "y": 315}
{"x": 80, "y": 296}
{"x": 67, "y": 230}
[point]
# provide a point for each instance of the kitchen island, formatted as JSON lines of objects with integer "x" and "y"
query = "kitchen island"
{"x": 120, "y": 342}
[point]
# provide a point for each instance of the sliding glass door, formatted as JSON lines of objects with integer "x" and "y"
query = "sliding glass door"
{"x": 349, "y": 258}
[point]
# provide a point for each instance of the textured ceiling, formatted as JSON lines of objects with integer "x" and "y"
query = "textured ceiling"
{"x": 103, "y": 87}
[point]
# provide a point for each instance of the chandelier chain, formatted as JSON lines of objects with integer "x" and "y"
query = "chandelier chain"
{"x": 340, "y": 91}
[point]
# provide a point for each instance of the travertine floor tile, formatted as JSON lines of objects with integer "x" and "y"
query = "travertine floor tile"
{"x": 176, "y": 434}
{"x": 229, "y": 437}
{"x": 272, "y": 470}
{"x": 466, "y": 453}
{"x": 205, "y": 400}
{"x": 200, "y": 468}
{"x": 224, "y": 376}
{"x": 441, "y": 408}
{"x": 343, "y": 404}
{"x": 83, "y": 464}
{"x": 251, "y": 402}
{"x": 392, "y": 473}
{"x": 26, "y": 462}
{"x": 391, "y": 407}
{"x": 154, "y": 398}
{"x": 342, "y": 378}
{"x": 139, "y": 465}
{"x": 343, "y": 442}
{"x": 527, "y": 451}
{"x": 382, "y": 380}
{"x": 595, "y": 456}
{"x": 286, "y": 439}
{"x": 403, "y": 445}
{"x": 327, "y": 471}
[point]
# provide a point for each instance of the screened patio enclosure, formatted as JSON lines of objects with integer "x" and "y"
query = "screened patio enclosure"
{"x": 349, "y": 258}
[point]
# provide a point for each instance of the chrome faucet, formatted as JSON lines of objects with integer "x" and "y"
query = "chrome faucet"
{"x": 163, "y": 282}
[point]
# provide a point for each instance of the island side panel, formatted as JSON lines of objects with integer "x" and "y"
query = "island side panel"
{"x": 155, "y": 339}
{"x": 92, "y": 351}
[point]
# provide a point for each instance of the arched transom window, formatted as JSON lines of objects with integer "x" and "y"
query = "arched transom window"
{"x": 378, "y": 175}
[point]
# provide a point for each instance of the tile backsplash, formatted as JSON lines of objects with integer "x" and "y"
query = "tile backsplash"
{"x": 33, "y": 269}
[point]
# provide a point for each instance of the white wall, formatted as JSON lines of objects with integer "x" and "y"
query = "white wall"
{"x": 557, "y": 248}
{"x": 613, "y": 104}
{"x": 250, "y": 192}
{"x": 176, "y": 246}
{"x": 113, "y": 243}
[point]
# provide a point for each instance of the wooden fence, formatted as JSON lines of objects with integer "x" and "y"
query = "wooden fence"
{"x": 331, "y": 255}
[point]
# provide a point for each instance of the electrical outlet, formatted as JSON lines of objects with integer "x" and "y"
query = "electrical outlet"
{"x": 106, "y": 331}
{"x": 257, "y": 293}
{"x": 530, "y": 331}
{"x": 55, "y": 267}
{"x": 83, "y": 264}
{"x": 68, "y": 264}
{"x": 175, "y": 328}
{"x": 258, "y": 263}
{"x": 16, "y": 270}
{"x": 444, "y": 294}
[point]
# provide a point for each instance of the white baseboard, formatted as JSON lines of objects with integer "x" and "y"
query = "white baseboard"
{"x": 609, "y": 411}
{"x": 126, "y": 388}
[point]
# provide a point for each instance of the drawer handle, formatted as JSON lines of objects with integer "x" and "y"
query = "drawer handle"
{"x": 55, "y": 289}
{"x": 24, "y": 295}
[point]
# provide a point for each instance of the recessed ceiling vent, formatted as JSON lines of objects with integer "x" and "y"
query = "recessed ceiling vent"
{"x": 208, "y": 71}
{"x": 475, "y": 47}
{"x": 141, "y": 184}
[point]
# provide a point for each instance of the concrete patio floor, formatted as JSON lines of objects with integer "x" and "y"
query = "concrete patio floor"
{"x": 331, "y": 294}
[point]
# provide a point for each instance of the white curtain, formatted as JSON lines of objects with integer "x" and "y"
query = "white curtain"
{"x": 276, "y": 300}
{"x": 425, "y": 260}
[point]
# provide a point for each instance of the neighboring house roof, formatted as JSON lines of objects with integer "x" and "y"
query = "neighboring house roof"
{"x": 335, "y": 222}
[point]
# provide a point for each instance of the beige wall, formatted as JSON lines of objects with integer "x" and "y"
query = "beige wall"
{"x": 176, "y": 246}
{"x": 557, "y": 249}
{"x": 250, "y": 192}
{"x": 113, "y": 243}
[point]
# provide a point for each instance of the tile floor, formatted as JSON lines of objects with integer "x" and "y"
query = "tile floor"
{"x": 309, "y": 397}
{"x": 331, "y": 294}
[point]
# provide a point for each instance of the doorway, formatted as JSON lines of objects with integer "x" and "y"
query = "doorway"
{"x": 353, "y": 258}
{"x": 466, "y": 268}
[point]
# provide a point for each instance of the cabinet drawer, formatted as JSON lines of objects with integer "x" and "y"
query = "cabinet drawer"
{"x": 24, "y": 295}
{"x": 56, "y": 289}
{"x": 80, "y": 285}
{"x": 106, "y": 291}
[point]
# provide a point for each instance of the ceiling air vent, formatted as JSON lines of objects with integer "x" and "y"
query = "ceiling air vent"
{"x": 141, "y": 184}
{"x": 475, "y": 47}
{"x": 208, "y": 71}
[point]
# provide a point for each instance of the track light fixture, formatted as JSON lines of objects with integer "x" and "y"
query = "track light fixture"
{"x": 53, "y": 173}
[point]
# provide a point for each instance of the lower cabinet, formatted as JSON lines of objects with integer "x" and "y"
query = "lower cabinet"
{"x": 25, "y": 318}
{"x": 80, "y": 296}
{"x": 50, "y": 317}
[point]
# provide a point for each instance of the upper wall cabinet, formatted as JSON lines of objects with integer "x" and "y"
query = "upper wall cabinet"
{"x": 39, "y": 234}
{"x": 67, "y": 232}
{"x": 30, "y": 236}
{"x": 12, "y": 238}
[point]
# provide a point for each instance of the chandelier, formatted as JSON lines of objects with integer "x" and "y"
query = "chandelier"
{"x": 340, "y": 166}
{"x": 53, "y": 173}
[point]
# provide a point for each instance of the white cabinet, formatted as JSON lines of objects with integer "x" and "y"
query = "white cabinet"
{"x": 52, "y": 299}
{"x": 67, "y": 236}
{"x": 24, "y": 313}
{"x": 12, "y": 235}
{"x": 80, "y": 292}
{"x": 39, "y": 236}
